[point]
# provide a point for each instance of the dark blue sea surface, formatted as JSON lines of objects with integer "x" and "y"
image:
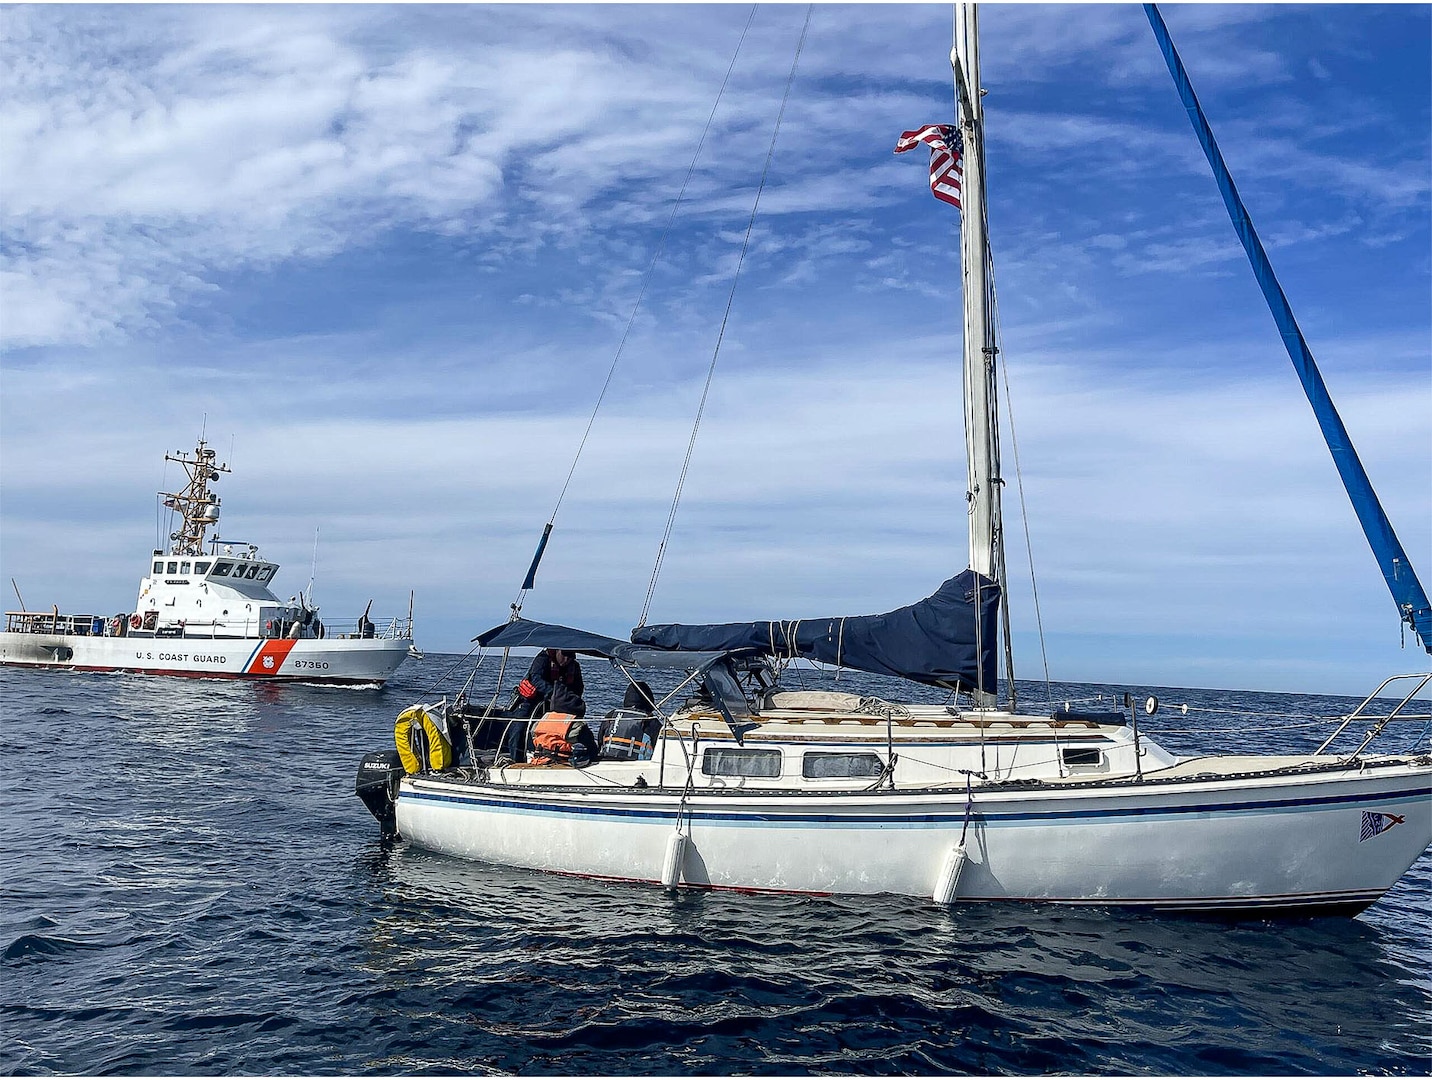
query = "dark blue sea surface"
{"x": 189, "y": 886}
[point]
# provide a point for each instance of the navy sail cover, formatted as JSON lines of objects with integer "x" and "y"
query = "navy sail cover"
{"x": 933, "y": 641}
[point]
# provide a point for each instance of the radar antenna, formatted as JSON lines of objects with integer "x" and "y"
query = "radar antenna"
{"x": 195, "y": 504}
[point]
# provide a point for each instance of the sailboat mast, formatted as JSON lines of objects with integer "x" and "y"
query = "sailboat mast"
{"x": 981, "y": 433}
{"x": 982, "y": 452}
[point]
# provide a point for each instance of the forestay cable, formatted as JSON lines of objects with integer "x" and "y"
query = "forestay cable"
{"x": 529, "y": 579}
{"x": 730, "y": 299}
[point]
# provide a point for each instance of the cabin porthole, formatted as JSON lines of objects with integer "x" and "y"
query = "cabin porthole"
{"x": 718, "y": 761}
{"x": 1081, "y": 759}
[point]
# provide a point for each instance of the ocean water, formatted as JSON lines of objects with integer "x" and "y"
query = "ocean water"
{"x": 189, "y": 886}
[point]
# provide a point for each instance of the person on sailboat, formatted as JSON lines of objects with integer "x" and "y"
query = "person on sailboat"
{"x": 631, "y": 731}
{"x": 560, "y": 737}
{"x": 552, "y": 733}
{"x": 550, "y": 668}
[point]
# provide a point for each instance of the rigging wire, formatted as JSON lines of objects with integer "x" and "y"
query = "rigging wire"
{"x": 725, "y": 318}
{"x": 631, "y": 320}
{"x": 1023, "y": 510}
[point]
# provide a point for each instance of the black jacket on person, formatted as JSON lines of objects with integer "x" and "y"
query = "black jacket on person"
{"x": 545, "y": 674}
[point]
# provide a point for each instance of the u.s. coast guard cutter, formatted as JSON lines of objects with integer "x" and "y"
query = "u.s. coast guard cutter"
{"x": 206, "y": 609}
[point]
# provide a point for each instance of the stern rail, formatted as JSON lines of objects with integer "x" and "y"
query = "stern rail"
{"x": 52, "y": 622}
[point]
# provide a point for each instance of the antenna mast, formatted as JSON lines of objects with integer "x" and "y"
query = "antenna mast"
{"x": 196, "y": 506}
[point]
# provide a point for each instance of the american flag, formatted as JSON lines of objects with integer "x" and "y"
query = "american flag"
{"x": 945, "y": 146}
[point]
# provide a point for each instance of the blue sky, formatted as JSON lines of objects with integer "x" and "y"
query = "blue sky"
{"x": 386, "y": 254}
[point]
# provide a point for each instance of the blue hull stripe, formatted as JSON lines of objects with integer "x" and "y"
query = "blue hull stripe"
{"x": 894, "y": 818}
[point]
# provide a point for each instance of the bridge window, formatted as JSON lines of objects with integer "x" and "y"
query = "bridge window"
{"x": 201, "y": 567}
{"x": 159, "y": 568}
{"x": 174, "y": 566}
{"x": 251, "y": 571}
{"x": 718, "y": 762}
{"x": 818, "y": 766}
{"x": 183, "y": 568}
{"x": 222, "y": 569}
{"x": 265, "y": 572}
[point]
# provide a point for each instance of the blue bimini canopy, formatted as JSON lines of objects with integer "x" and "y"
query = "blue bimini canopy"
{"x": 933, "y": 641}
{"x": 523, "y": 633}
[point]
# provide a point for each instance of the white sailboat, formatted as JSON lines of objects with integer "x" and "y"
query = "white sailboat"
{"x": 749, "y": 786}
{"x": 206, "y": 609}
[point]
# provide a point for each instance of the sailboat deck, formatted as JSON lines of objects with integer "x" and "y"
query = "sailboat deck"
{"x": 1219, "y": 766}
{"x": 791, "y": 716}
{"x": 928, "y": 723}
{"x": 1233, "y": 766}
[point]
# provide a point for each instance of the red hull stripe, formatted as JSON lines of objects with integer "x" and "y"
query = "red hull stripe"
{"x": 270, "y": 657}
{"x": 306, "y": 677}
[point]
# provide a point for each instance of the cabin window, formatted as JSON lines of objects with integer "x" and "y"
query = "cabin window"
{"x": 719, "y": 762}
{"x": 819, "y": 766}
{"x": 183, "y": 568}
{"x": 1074, "y": 755}
{"x": 174, "y": 567}
{"x": 201, "y": 568}
{"x": 222, "y": 569}
{"x": 159, "y": 568}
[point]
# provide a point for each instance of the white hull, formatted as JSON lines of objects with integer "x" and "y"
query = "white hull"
{"x": 334, "y": 660}
{"x": 1230, "y": 842}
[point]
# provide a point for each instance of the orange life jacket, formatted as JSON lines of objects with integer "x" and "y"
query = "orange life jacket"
{"x": 552, "y": 739}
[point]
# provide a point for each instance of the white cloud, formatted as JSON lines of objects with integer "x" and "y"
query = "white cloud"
{"x": 831, "y": 486}
{"x": 392, "y": 249}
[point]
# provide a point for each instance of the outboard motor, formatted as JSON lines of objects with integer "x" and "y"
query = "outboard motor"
{"x": 378, "y": 776}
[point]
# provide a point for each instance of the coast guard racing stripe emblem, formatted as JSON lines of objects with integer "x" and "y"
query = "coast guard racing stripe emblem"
{"x": 1374, "y": 823}
{"x": 270, "y": 657}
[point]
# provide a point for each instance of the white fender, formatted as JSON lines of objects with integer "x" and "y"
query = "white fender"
{"x": 675, "y": 856}
{"x": 949, "y": 879}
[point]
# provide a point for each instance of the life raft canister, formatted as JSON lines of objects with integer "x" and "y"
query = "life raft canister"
{"x": 422, "y": 744}
{"x": 136, "y": 621}
{"x": 553, "y": 739}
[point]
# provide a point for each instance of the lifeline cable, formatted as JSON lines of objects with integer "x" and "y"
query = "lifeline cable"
{"x": 436, "y": 684}
{"x": 730, "y": 299}
{"x": 529, "y": 579}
